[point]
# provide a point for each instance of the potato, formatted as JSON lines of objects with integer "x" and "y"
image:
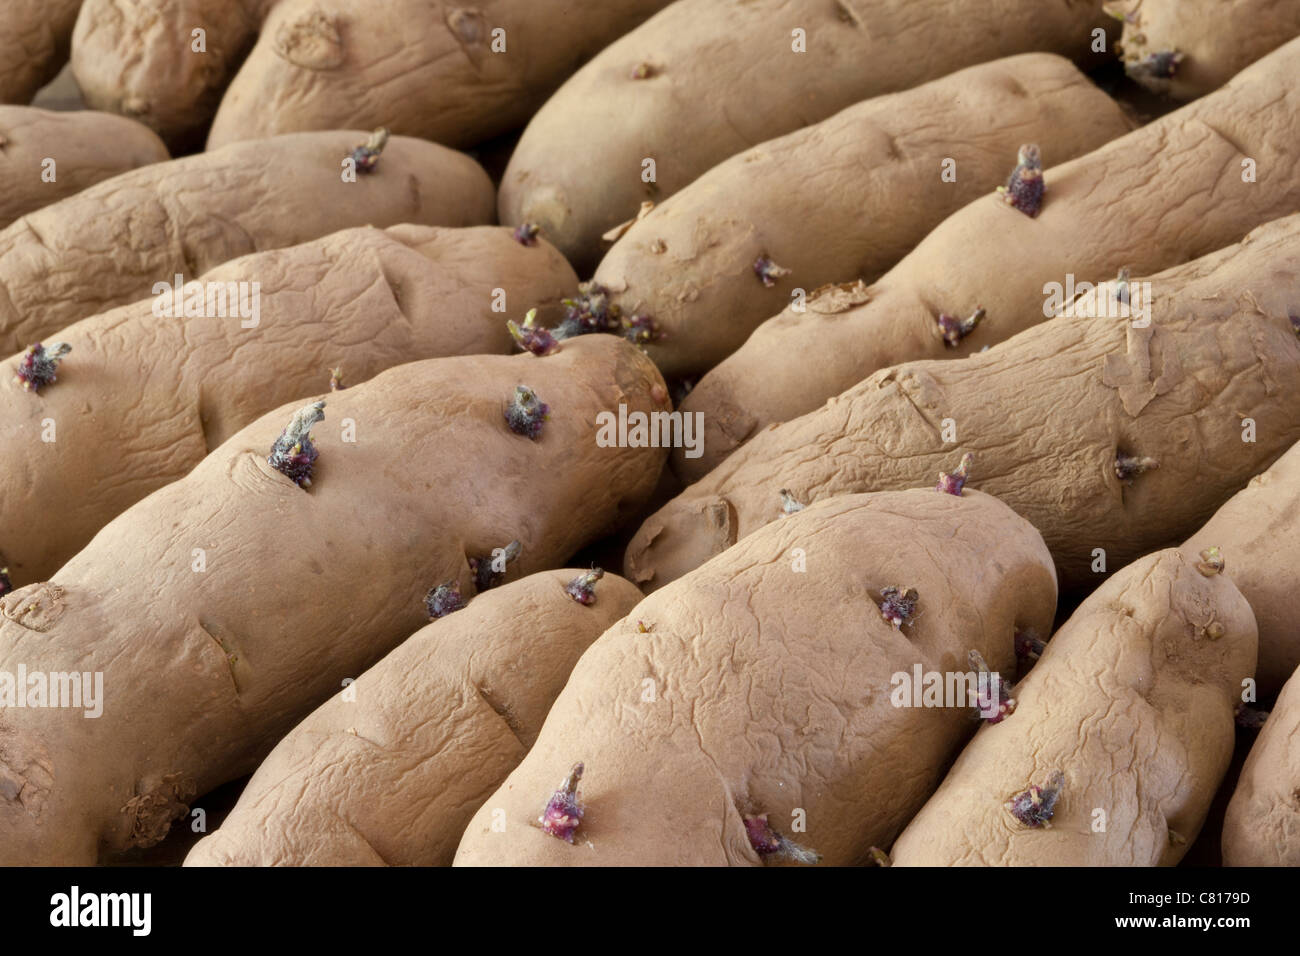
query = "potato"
{"x": 704, "y": 80}
{"x": 749, "y": 688}
{"x": 1258, "y": 533}
{"x": 440, "y": 73}
{"x": 1132, "y": 702}
{"x": 1187, "y": 48}
{"x": 1188, "y": 183}
{"x": 142, "y": 398}
{"x": 1262, "y": 827}
{"x": 85, "y": 147}
{"x": 110, "y": 244}
{"x": 848, "y": 196}
{"x": 391, "y": 770}
{"x": 34, "y": 37}
{"x": 226, "y": 606}
{"x": 1103, "y": 435}
{"x": 143, "y": 59}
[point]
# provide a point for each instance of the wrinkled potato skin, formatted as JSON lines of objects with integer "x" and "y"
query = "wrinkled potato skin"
{"x": 1133, "y": 701}
{"x": 1046, "y": 415}
{"x": 420, "y": 67}
{"x": 34, "y": 39}
{"x": 87, "y": 148}
{"x": 393, "y": 776}
{"x": 110, "y": 244}
{"x": 142, "y": 399}
{"x": 1164, "y": 194}
{"x": 138, "y": 59}
{"x": 1258, "y": 531}
{"x": 773, "y": 689}
{"x": 1262, "y": 827}
{"x": 725, "y": 76}
{"x": 846, "y": 197}
{"x": 1218, "y": 38}
{"x": 205, "y": 671}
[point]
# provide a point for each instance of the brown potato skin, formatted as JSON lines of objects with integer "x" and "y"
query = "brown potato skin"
{"x": 137, "y": 59}
{"x": 34, "y": 39}
{"x": 1217, "y": 38}
{"x": 394, "y": 776}
{"x": 1262, "y": 826}
{"x": 846, "y": 197}
{"x": 1046, "y": 415}
{"x": 420, "y": 68}
{"x": 1186, "y": 169}
{"x": 302, "y": 588}
{"x": 773, "y": 689}
{"x": 1133, "y": 702}
{"x": 725, "y": 77}
{"x": 87, "y": 148}
{"x": 1258, "y": 531}
{"x": 142, "y": 399}
{"x": 110, "y": 244}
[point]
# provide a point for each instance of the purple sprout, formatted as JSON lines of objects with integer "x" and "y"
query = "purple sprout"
{"x": 527, "y": 233}
{"x": 879, "y": 857}
{"x": 789, "y": 504}
{"x": 1034, "y": 807}
{"x": 644, "y": 71}
{"x": 336, "y": 379}
{"x": 293, "y": 454}
{"x": 583, "y": 588}
{"x": 1129, "y": 466}
{"x": 990, "y": 711}
{"x": 366, "y": 156}
{"x": 443, "y": 600}
{"x": 1161, "y": 65}
{"x": 526, "y": 413}
{"x": 589, "y": 311}
{"x": 6, "y": 585}
{"x": 1025, "y": 187}
{"x": 898, "y": 606}
{"x": 768, "y": 271}
{"x": 954, "y": 483}
{"x": 532, "y": 337}
{"x": 38, "y": 366}
{"x": 1295, "y": 322}
{"x": 954, "y": 329}
{"x": 641, "y": 329}
{"x": 1029, "y": 648}
{"x": 1249, "y": 718}
{"x": 769, "y": 844}
{"x": 563, "y": 812}
{"x": 486, "y": 573}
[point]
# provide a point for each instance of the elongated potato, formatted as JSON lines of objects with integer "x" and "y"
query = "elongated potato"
{"x": 1185, "y": 185}
{"x": 34, "y": 38}
{"x": 85, "y": 147}
{"x": 758, "y": 689}
{"x": 704, "y": 80}
{"x": 392, "y": 772}
{"x": 455, "y": 75}
{"x": 109, "y": 245}
{"x": 1187, "y": 48}
{"x": 1262, "y": 827}
{"x": 1132, "y": 702}
{"x": 144, "y": 60}
{"x": 142, "y": 397}
{"x": 1258, "y": 531}
{"x": 1105, "y": 436}
{"x": 226, "y": 606}
{"x": 848, "y": 196}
